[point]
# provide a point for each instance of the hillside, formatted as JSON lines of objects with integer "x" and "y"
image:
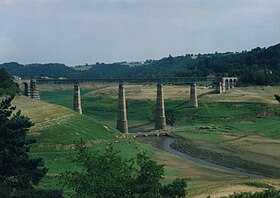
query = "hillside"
{"x": 53, "y": 121}
{"x": 56, "y": 128}
{"x": 260, "y": 66}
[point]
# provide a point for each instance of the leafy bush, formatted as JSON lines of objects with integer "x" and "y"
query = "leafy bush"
{"x": 34, "y": 193}
{"x": 277, "y": 97}
{"x": 106, "y": 174}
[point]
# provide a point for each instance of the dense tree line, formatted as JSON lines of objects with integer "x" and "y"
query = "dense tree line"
{"x": 36, "y": 70}
{"x": 260, "y": 66}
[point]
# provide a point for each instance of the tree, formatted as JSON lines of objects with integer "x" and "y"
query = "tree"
{"x": 7, "y": 86}
{"x": 170, "y": 118}
{"x": 18, "y": 171}
{"x": 277, "y": 97}
{"x": 107, "y": 174}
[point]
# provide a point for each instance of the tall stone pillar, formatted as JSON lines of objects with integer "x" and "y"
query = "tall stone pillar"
{"x": 77, "y": 99}
{"x": 34, "y": 91}
{"x": 193, "y": 96}
{"x": 223, "y": 85}
{"x": 26, "y": 90}
{"x": 122, "y": 119}
{"x": 220, "y": 88}
{"x": 160, "y": 121}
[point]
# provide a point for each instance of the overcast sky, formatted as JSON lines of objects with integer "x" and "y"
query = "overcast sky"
{"x": 87, "y": 31}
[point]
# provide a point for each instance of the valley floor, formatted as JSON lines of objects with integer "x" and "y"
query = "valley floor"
{"x": 244, "y": 123}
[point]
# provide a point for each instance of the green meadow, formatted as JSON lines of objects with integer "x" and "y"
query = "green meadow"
{"x": 232, "y": 118}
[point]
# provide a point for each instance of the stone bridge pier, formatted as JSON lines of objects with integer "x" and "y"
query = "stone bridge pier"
{"x": 160, "y": 120}
{"x": 77, "y": 99}
{"x": 34, "y": 90}
{"x": 193, "y": 96}
{"x": 122, "y": 124}
{"x": 221, "y": 85}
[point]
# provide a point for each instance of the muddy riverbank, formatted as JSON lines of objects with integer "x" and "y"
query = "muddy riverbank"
{"x": 187, "y": 149}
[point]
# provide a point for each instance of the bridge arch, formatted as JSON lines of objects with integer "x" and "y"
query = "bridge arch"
{"x": 18, "y": 85}
{"x": 234, "y": 81}
{"x": 227, "y": 84}
{"x": 231, "y": 83}
{"x": 26, "y": 90}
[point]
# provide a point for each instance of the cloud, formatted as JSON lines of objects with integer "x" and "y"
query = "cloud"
{"x": 75, "y": 32}
{"x": 3, "y": 2}
{"x": 6, "y": 45}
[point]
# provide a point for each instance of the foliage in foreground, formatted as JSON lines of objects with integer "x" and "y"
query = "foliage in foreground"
{"x": 106, "y": 174}
{"x": 7, "y": 86}
{"x": 18, "y": 172}
{"x": 271, "y": 193}
{"x": 37, "y": 193}
{"x": 277, "y": 97}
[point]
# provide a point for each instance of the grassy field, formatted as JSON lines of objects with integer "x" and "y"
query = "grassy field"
{"x": 233, "y": 118}
{"x": 232, "y": 123}
{"x": 57, "y": 128}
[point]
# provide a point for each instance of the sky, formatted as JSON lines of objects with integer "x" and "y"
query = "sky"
{"x": 76, "y": 32}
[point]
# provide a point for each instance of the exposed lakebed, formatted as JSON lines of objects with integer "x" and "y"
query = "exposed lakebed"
{"x": 187, "y": 149}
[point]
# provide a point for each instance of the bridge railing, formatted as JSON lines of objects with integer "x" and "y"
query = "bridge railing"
{"x": 127, "y": 80}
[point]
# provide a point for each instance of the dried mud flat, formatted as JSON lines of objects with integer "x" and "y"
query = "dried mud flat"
{"x": 236, "y": 186}
{"x": 213, "y": 182}
{"x": 142, "y": 92}
{"x": 227, "y": 160}
{"x": 262, "y": 94}
{"x": 226, "y": 191}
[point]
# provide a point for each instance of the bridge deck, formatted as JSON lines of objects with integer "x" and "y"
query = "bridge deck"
{"x": 128, "y": 80}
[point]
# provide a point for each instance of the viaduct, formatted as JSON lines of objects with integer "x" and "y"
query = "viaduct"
{"x": 30, "y": 89}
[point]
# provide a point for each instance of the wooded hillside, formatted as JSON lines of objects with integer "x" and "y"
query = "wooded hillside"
{"x": 260, "y": 66}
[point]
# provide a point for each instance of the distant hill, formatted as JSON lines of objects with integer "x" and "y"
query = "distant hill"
{"x": 53, "y": 70}
{"x": 260, "y": 66}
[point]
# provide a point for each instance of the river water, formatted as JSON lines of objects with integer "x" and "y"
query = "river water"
{"x": 164, "y": 142}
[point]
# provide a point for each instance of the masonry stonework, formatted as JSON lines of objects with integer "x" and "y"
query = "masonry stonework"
{"x": 77, "y": 99}
{"x": 193, "y": 96}
{"x": 122, "y": 124}
{"x": 160, "y": 120}
{"x": 34, "y": 90}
